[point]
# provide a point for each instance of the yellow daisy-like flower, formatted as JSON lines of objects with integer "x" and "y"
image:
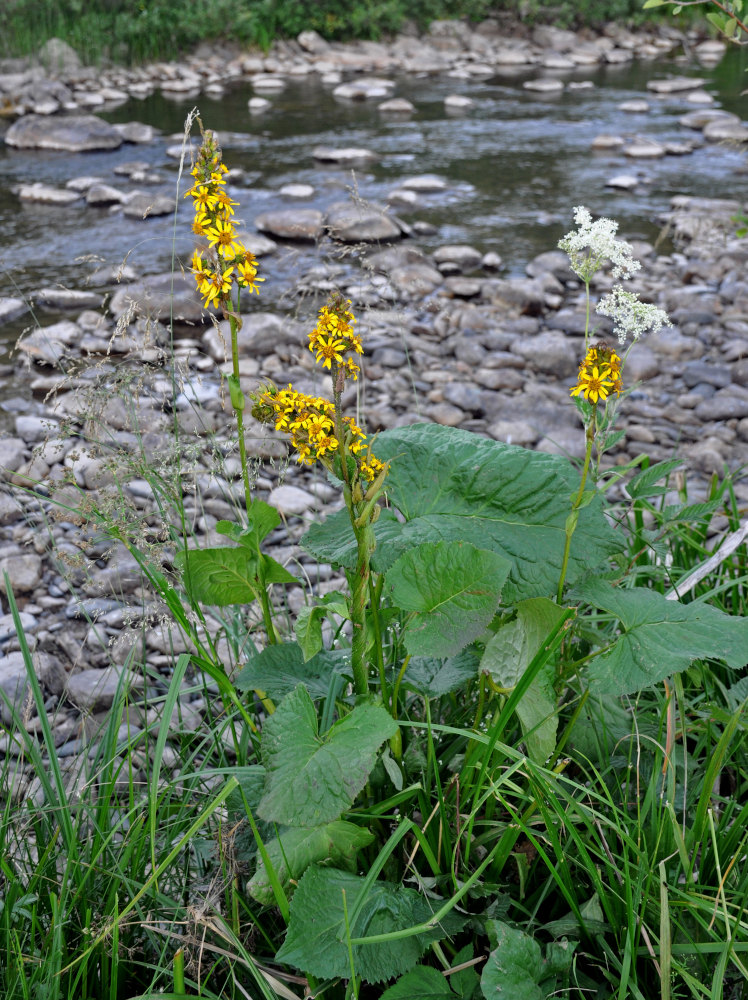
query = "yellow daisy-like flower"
{"x": 330, "y": 349}
{"x": 203, "y": 197}
{"x": 201, "y": 224}
{"x": 224, "y": 203}
{"x": 222, "y": 236}
{"x": 599, "y": 374}
{"x": 218, "y": 288}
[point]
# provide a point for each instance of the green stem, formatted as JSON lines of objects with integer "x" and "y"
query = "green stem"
{"x": 375, "y": 596}
{"x": 587, "y": 315}
{"x": 237, "y": 402}
{"x": 571, "y": 521}
{"x": 365, "y": 546}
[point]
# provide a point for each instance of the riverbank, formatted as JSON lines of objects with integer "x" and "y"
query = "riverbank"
{"x": 448, "y": 338}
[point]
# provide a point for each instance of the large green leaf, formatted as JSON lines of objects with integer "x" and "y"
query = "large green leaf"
{"x": 294, "y": 850}
{"x": 658, "y": 637}
{"x": 452, "y": 485}
{"x": 227, "y": 575}
{"x": 313, "y": 778}
{"x": 509, "y": 653}
{"x": 453, "y": 590}
{"x": 279, "y": 669}
{"x": 515, "y": 966}
{"x": 421, "y": 983}
{"x": 435, "y": 677}
{"x": 316, "y": 939}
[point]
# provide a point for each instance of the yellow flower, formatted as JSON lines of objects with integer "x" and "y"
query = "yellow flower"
{"x": 594, "y": 383}
{"x": 203, "y": 197}
{"x": 217, "y": 290}
{"x": 329, "y": 349}
{"x": 201, "y": 224}
{"x": 222, "y": 236}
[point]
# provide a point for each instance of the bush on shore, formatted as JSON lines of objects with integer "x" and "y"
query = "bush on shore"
{"x": 151, "y": 29}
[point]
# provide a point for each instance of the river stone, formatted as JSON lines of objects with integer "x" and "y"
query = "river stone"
{"x": 700, "y": 119}
{"x": 457, "y": 102}
{"x": 137, "y": 132}
{"x": 676, "y": 84}
{"x": 348, "y": 156}
{"x": 67, "y": 133}
{"x": 699, "y": 97}
{"x": 13, "y": 683}
{"x": 514, "y": 432}
{"x": 446, "y": 414}
{"x": 68, "y": 298}
{"x": 569, "y": 441}
{"x": 260, "y": 334}
{"x": 258, "y": 105}
{"x": 723, "y": 405}
{"x": 296, "y": 191}
{"x": 292, "y": 500}
{"x": 467, "y": 397}
{"x": 396, "y": 106}
{"x": 623, "y": 182}
{"x": 12, "y": 454}
{"x": 49, "y": 343}
{"x": 155, "y": 297}
{"x": 364, "y": 89}
{"x": 425, "y": 184}
{"x": 636, "y": 106}
{"x": 312, "y": 42}
{"x": 103, "y": 195}
{"x": 415, "y": 280}
{"x": 544, "y": 85}
{"x": 94, "y": 690}
{"x": 24, "y": 572}
{"x": 607, "y": 142}
{"x": 695, "y": 372}
{"x": 141, "y": 205}
{"x": 360, "y": 223}
{"x": 11, "y": 309}
{"x": 720, "y": 131}
{"x": 45, "y": 194}
{"x": 553, "y": 60}
{"x": 550, "y": 353}
{"x": 644, "y": 149}
{"x": 642, "y": 364}
{"x": 268, "y": 82}
{"x": 301, "y": 224}
{"x": 467, "y": 258}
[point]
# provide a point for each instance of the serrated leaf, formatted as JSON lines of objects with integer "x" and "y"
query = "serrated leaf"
{"x": 279, "y": 669}
{"x": 261, "y": 519}
{"x": 251, "y": 780}
{"x": 659, "y": 637}
{"x": 674, "y": 513}
{"x": 294, "y": 850}
{"x": 509, "y": 653}
{"x": 640, "y": 484}
{"x": 435, "y": 677}
{"x": 311, "y": 778}
{"x": 453, "y": 590}
{"x": 316, "y": 940}
{"x": 452, "y": 485}
{"x": 466, "y": 982}
{"x": 220, "y": 576}
{"x": 515, "y": 966}
{"x": 421, "y": 983}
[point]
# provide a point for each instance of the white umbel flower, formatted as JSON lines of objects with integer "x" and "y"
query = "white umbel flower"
{"x": 593, "y": 243}
{"x": 631, "y": 317}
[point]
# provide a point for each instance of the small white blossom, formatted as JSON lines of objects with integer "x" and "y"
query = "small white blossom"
{"x": 593, "y": 243}
{"x": 631, "y": 317}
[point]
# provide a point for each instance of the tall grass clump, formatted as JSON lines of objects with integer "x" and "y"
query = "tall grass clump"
{"x": 506, "y": 758}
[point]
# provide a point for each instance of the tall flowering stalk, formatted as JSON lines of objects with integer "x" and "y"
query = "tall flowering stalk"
{"x": 320, "y": 432}
{"x": 591, "y": 247}
{"x": 222, "y": 266}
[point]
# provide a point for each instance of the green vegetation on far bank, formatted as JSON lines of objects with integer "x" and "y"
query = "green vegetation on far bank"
{"x": 131, "y": 31}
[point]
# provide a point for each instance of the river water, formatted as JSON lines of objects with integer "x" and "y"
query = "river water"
{"x": 516, "y": 165}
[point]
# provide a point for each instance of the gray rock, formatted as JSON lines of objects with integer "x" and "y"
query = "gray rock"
{"x": 24, "y": 572}
{"x": 458, "y": 102}
{"x": 155, "y": 298}
{"x": 11, "y": 309}
{"x": 68, "y": 298}
{"x": 642, "y": 364}
{"x": 567, "y": 441}
{"x": 58, "y": 57}
{"x": 607, "y": 142}
{"x": 301, "y": 224}
{"x": 725, "y": 404}
{"x": 45, "y": 194}
{"x": 544, "y": 85}
{"x": 675, "y": 84}
{"x": 514, "y": 432}
{"x": 703, "y": 117}
{"x": 706, "y": 371}
{"x": 396, "y": 106}
{"x": 346, "y": 157}
{"x": 104, "y": 194}
{"x": 644, "y": 149}
{"x": 292, "y": 500}
{"x": 467, "y": 258}
{"x": 48, "y": 344}
{"x": 95, "y": 690}
{"x": 12, "y": 455}
{"x": 719, "y": 131}
{"x": 142, "y": 205}
{"x": 360, "y": 223}
{"x": 68, "y": 133}
{"x": 635, "y": 106}
{"x": 467, "y": 397}
{"x": 551, "y": 353}
{"x": 137, "y": 132}
{"x": 260, "y": 334}
{"x": 415, "y": 280}
{"x": 446, "y": 414}
{"x": 297, "y": 191}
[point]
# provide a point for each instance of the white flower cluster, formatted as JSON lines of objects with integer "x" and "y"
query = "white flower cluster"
{"x": 593, "y": 243}
{"x": 630, "y": 315}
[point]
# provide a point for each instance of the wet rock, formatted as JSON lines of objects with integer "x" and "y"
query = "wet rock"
{"x": 425, "y": 184}
{"x": 544, "y": 85}
{"x": 606, "y": 142}
{"x": 644, "y": 150}
{"x": 11, "y": 308}
{"x": 142, "y": 205}
{"x": 720, "y": 131}
{"x": 265, "y": 82}
{"x": 102, "y": 195}
{"x": 137, "y": 132}
{"x": 297, "y": 191}
{"x": 364, "y": 89}
{"x": 68, "y": 133}
{"x": 634, "y": 106}
{"x": 360, "y": 223}
{"x": 623, "y": 182}
{"x": 258, "y": 105}
{"x": 347, "y": 157}
{"x": 304, "y": 225}
{"x": 700, "y": 119}
{"x": 45, "y": 194}
{"x": 458, "y": 102}
{"x": 675, "y": 84}
{"x": 396, "y": 106}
